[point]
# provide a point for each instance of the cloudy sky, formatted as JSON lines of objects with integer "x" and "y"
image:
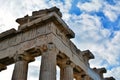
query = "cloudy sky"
{"x": 96, "y": 24}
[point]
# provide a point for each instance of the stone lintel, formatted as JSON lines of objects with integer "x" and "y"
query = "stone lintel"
{"x": 109, "y": 78}
{"x": 78, "y": 51}
{"x": 25, "y": 57}
{"x": 87, "y": 54}
{"x": 61, "y": 56}
{"x": 64, "y": 62}
{"x": 35, "y": 51}
{"x": 7, "y": 34}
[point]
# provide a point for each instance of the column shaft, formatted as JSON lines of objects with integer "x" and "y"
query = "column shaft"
{"x": 48, "y": 66}
{"x": 66, "y": 73}
{"x": 20, "y": 70}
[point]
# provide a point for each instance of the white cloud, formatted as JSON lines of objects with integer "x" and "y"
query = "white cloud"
{"x": 111, "y": 11}
{"x": 90, "y": 34}
{"x": 64, "y": 7}
{"x": 90, "y": 28}
{"x": 94, "y": 5}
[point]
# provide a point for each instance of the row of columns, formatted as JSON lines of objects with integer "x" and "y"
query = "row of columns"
{"x": 47, "y": 68}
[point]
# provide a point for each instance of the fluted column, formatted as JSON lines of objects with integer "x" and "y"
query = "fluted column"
{"x": 66, "y": 71}
{"x": 21, "y": 67}
{"x": 48, "y": 63}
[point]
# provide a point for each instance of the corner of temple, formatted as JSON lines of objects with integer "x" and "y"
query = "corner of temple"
{"x": 46, "y": 11}
{"x": 37, "y": 14}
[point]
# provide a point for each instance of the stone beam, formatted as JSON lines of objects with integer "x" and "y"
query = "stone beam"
{"x": 7, "y": 34}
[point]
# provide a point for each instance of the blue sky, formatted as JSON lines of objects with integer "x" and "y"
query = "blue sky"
{"x": 96, "y": 24}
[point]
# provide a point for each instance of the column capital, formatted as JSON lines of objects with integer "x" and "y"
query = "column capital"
{"x": 25, "y": 57}
{"x": 35, "y": 50}
{"x": 2, "y": 67}
{"x": 48, "y": 47}
{"x": 78, "y": 76}
{"x": 66, "y": 70}
{"x": 66, "y": 62}
{"x": 86, "y": 77}
{"x": 52, "y": 47}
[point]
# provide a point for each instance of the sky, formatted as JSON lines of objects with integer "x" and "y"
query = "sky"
{"x": 96, "y": 24}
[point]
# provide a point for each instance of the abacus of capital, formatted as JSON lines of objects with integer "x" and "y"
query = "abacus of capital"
{"x": 46, "y": 34}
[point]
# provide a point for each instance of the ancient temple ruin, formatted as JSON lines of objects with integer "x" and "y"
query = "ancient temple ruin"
{"x": 45, "y": 34}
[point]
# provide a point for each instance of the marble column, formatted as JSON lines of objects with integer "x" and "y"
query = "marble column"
{"x": 66, "y": 72}
{"x": 48, "y": 64}
{"x": 20, "y": 68}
